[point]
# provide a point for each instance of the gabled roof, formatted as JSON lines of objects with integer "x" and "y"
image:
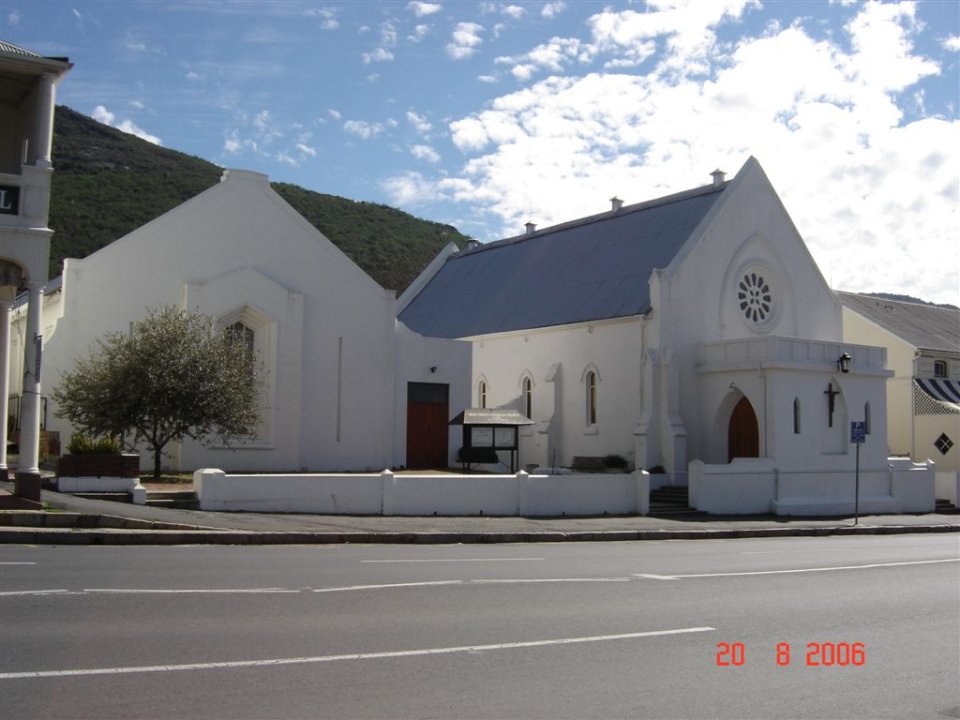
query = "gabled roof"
{"x": 926, "y": 327}
{"x": 594, "y": 268}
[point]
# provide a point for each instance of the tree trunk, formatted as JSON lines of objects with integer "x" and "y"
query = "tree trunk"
{"x": 157, "y": 452}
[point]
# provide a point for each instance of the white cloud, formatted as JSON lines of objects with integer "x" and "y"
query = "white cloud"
{"x": 464, "y": 40}
{"x": 138, "y": 104}
{"x": 379, "y": 55}
{"x": 686, "y": 27}
{"x": 326, "y": 15}
{"x": 13, "y": 18}
{"x": 422, "y": 9}
{"x": 552, "y": 9}
{"x": 952, "y": 43}
{"x": 419, "y": 33}
{"x": 514, "y": 11}
{"x": 136, "y": 46}
{"x": 875, "y": 196}
{"x": 193, "y": 77}
{"x": 419, "y": 122}
{"x": 306, "y": 149}
{"x": 363, "y": 129}
{"x": 335, "y": 114}
{"x": 551, "y": 56}
{"x": 425, "y": 152}
{"x": 102, "y": 115}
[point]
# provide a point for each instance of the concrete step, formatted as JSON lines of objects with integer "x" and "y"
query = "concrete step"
{"x": 178, "y": 499}
{"x": 945, "y": 507}
{"x": 122, "y": 497}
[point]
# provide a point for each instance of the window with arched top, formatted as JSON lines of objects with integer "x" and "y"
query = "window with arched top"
{"x": 590, "y": 383}
{"x": 527, "y": 397}
{"x": 243, "y": 335}
{"x": 796, "y": 416}
{"x": 482, "y": 394}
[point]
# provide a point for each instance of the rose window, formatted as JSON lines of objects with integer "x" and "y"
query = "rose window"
{"x": 755, "y": 297}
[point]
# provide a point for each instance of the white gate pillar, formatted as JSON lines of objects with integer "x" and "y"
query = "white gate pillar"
{"x": 4, "y": 382}
{"x": 28, "y": 472}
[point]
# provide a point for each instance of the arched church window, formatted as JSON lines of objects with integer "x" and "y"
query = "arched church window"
{"x": 796, "y": 416}
{"x": 240, "y": 334}
{"x": 591, "y": 399}
{"x": 528, "y": 397}
{"x": 482, "y": 394}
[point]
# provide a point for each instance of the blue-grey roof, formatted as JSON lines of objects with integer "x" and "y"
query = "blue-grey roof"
{"x": 926, "y": 327}
{"x": 590, "y": 269}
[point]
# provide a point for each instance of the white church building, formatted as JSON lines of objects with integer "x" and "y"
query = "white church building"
{"x": 342, "y": 376}
{"x": 693, "y": 336}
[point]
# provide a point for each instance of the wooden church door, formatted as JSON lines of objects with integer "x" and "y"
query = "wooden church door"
{"x": 743, "y": 435}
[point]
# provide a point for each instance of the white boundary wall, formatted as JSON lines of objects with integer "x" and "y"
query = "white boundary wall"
{"x": 748, "y": 486}
{"x": 389, "y": 494}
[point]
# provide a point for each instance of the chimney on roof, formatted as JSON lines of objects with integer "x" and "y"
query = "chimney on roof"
{"x": 531, "y": 228}
{"x": 615, "y": 204}
{"x": 718, "y": 177}
{"x": 471, "y": 244}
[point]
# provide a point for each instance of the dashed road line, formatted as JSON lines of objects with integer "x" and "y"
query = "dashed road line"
{"x": 277, "y": 662}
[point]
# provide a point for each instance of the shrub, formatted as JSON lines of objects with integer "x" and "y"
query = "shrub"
{"x": 86, "y": 445}
{"x": 617, "y": 462}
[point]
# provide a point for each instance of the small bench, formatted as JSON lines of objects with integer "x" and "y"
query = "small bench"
{"x": 588, "y": 464}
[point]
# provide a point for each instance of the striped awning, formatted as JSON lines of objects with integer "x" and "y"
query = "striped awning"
{"x": 941, "y": 390}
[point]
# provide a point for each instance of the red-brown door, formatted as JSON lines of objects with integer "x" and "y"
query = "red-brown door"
{"x": 427, "y": 430}
{"x": 743, "y": 436}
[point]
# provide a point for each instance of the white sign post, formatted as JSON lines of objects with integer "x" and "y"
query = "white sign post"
{"x": 858, "y": 435}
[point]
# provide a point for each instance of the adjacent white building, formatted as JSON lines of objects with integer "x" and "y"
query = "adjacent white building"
{"x": 692, "y": 334}
{"x": 342, "y": 376}
{"x": 27, "y": 99}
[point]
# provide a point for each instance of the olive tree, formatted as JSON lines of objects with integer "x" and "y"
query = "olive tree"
{"x": 172, "y": 377}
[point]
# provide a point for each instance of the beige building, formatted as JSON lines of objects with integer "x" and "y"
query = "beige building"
{"x": 923, "y": 396}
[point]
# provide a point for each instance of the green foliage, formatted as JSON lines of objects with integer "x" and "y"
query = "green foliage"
{"x": 171, "y": 378}
{"x": 108, "y": 183}
{"x": 85, "y": 445}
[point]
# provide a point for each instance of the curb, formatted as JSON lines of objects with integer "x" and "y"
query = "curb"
{"x": 57, "y": 536}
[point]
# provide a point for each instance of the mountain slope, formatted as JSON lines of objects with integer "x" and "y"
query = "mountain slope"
{"x": 108, "y": 183}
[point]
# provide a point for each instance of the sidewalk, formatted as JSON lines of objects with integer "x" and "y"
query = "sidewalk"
{"x": 78, "y": 521}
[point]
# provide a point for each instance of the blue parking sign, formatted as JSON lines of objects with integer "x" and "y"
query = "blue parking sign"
{"x": 858, "y": 432}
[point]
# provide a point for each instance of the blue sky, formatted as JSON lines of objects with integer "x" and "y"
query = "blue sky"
{"x": 487, "y": 114}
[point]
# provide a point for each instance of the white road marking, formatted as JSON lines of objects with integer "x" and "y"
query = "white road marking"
{"x": 276, "y": 662}
{"x": 348, "y": 588}
{"x": 198, "y": 591}
{"x": 16, "y": 563}
{"x": 798, "y": 570}
{"x": 551, "y": 580}
{"x": 456, "y": 560}
{"x": 11, "y": 593}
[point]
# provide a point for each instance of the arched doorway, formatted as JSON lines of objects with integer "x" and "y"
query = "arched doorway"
{"x": 743, "y": 435}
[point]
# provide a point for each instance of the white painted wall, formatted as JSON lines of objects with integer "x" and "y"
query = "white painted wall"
{"x": 426, "y": 495}
{"x": 557, "y": 360}
{"x": 748, "y": 486}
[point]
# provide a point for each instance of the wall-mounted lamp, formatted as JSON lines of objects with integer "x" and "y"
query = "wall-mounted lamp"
{"x": 843, "y": 363}
{"x": 433, "y": 368}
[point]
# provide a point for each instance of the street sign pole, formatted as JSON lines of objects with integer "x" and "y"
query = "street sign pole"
{"x": 858, "y": 433}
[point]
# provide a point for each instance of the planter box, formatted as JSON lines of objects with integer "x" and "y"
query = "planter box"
{"x": 122, "y": 465}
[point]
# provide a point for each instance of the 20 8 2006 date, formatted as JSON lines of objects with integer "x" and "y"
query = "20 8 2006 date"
{"x": 818, "y": 654}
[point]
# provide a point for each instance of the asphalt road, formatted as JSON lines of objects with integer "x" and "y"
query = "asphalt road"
{"x": 852, "y": 627}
